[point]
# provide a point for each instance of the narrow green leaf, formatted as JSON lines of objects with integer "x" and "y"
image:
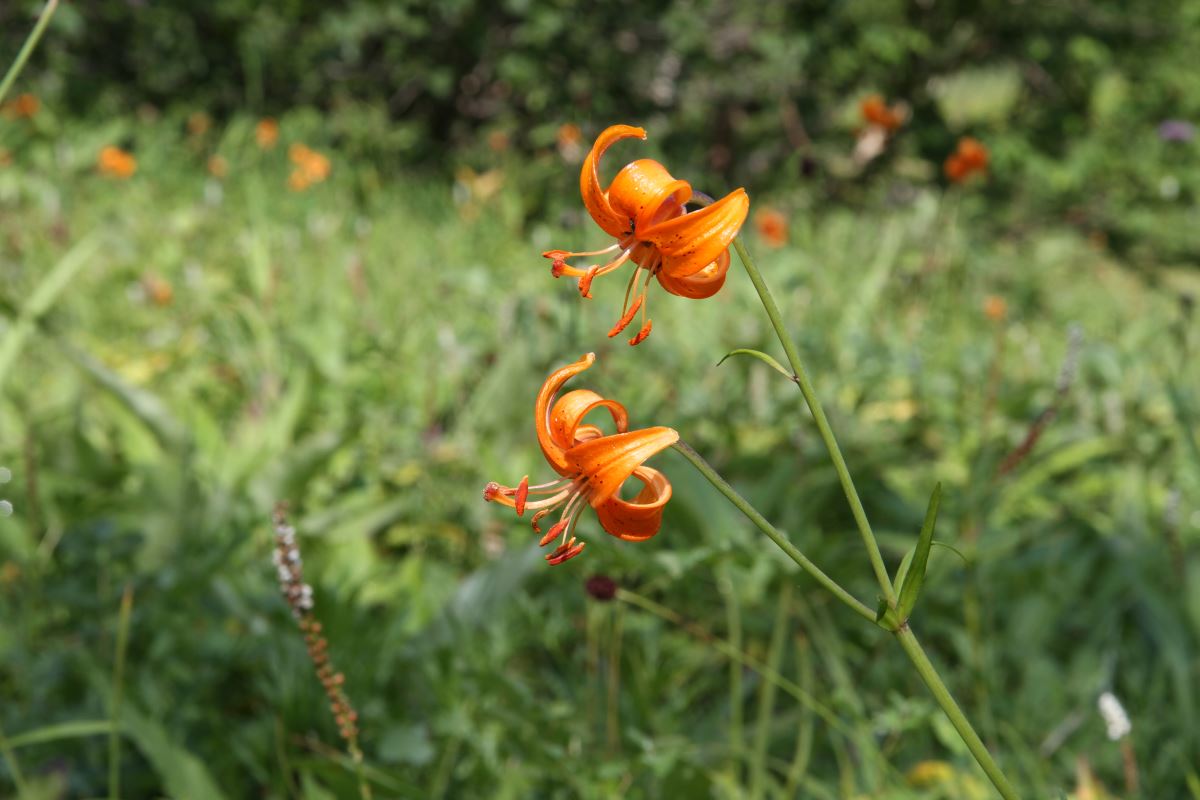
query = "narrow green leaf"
{"x": 144, "y": 405}
{"x": 902, "y": 571}
{"x": 920, "y": 560}
{"x": 881, "y": 609}
{"x": 62, "y": 730}
{"x": 952, "y": 549}
{"x": 761, "y": 356}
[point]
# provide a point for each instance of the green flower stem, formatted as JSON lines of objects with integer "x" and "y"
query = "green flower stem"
{"x": 800, "y": 376}
{"x": 775, "y": 535}
{"x": 959, "y": 720}
{"x": 908, "y": 641}
{"x": 27, "y": 49}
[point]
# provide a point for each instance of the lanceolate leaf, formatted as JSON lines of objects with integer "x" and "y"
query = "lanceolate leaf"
{"x": 911, "y": 588}
{"x": 761, "y": 356}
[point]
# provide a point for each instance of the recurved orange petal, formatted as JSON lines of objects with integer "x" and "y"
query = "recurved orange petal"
{"x": 554, "y": 452}
{"x": 644, "y": 191}
{"x": 572, "y": 407}
{"x": 691, "y": 242}
{"x": 595, "y": 198}
{"x": 606, "y": 462}
{"x": 638, "y": 519}
{"x": 699, "y": 285}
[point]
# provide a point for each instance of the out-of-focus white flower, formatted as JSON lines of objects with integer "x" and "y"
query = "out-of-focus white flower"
{"x": 1115, "y": 719}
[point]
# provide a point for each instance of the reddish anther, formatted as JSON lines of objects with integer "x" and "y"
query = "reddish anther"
{"x": 567, "y": 555}
{"x": 585, "y": 283}
{"x": 643, "y": 333}
{"x": 522, "y": 496}
{"x": 624, "y": 321}
{"x": 555, "y": 530}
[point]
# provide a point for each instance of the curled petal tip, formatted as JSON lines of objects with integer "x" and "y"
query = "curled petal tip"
{"x": 558, "y": 268}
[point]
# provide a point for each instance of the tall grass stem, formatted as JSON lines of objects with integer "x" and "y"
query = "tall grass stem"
{"x": 114, "y": 733}
{"x": 27, "y": 49}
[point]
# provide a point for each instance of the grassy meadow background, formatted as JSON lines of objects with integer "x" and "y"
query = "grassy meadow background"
{"x": 183, "y": 348}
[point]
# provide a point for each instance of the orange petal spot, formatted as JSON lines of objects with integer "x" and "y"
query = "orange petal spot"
{"x": 609, "y": 460}
{"x": 554, "y": 451}
{"x": 626, "y": 318}
{"x": 522, "y": 496}
{"x": 691, "y": 242}
{"x": 595, "y": 198}
{"x": 641, "y": 335}
{"x": 638, "y": 519}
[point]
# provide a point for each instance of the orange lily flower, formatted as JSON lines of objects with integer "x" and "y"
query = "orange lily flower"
{"x": 593, "y": 467}
{"x": 877, "y": 112}
{"x": 266, "y": 133}
{"x": 970, "y": 157}
{"x": 113, "y": 162}
{"x": 644, "y": 209}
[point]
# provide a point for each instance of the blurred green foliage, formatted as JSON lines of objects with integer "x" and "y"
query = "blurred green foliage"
{"x": 1068, "y": 95}
{"x": 180, "y": 350}
{"x": 369, "y": 350}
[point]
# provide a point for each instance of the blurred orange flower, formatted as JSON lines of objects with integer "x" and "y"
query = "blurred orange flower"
{"x": 876, "y": 112}
{"x": 113, "y": 162}
{"x": 995, "y": 308}
{"x": 5, "y": 157}
{"x": 497, "y": 141}
{"x": 218, "y": 166}
{"x": 644, "y": 209}
{"x": 266, "y": 133}
{"x": 311, "y": 167}
{"x": 772, "y": 226}
{"x": 568, "y": 134}
{"x": 158, "y": 290}
{"x": 23, "y": 106}
{"x": 593, "y": 466}
{"x": 970, "y": 157}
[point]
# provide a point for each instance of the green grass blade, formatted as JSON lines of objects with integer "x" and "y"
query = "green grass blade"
{"x": 76, "y": 729}
{"x": 27, "y": 49}
{"x": 42, "y": 300}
